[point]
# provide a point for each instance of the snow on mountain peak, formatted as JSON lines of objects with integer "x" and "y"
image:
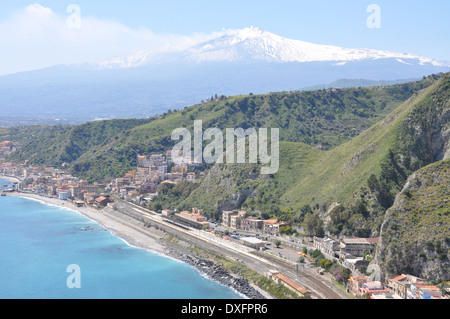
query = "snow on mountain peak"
{"x": 254, "y": 44}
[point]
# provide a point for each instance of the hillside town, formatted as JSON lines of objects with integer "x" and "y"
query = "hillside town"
{"x": 151, "y": 171}
{"x": 236, "y": 226}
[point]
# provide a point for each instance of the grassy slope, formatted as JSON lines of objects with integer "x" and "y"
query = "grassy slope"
{"x": 336, "y": 174}
{"x": 320, "y": 117}
{"x": 307, "y": 175}
{"x": 416, "y": 233}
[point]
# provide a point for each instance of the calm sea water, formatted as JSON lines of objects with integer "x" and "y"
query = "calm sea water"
{"x": 39, "y": 242}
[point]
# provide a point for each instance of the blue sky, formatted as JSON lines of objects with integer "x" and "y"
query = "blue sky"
{"x": 418, "y": 27}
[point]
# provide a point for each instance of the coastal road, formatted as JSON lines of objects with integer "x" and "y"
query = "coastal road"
{"x": 254, "y": 260}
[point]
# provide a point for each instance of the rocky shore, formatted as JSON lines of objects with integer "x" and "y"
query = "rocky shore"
{"x": 216, "y": 272}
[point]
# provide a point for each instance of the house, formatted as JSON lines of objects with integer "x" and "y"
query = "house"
{"x": 269, "y": 226}
{"x": 357, "y": 246}
{"x": 374, "y": 288}
{"x": 235, "y": 221}
{"x": 405, "y": 286}
{"x": 192, "y": 219}
{"x": 76, "y": 191}
{"x": 166, "y": 212}
{"x": 327, "y": 245}
{"x": 63, "y": 195}
{"x": 190, "y": 177}
{"x": 90, "y": 198}
{"x": 252, "y": 225}
{"x": 272, "y": 226}
{"x": 102, "y": 201}
{"x": 399, "y": 285}
{"x": 429, "y": 292}
{"x": 176, "y": 177}
{"x": 226, "y": 217}
{"x": 420, "y": 290}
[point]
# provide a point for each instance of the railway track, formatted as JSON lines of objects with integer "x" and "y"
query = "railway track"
{"x": 255, "y": 260}
{"x": 304, "y": 277}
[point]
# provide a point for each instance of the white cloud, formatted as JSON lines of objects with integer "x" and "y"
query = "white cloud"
{"x": 37, "y": 37}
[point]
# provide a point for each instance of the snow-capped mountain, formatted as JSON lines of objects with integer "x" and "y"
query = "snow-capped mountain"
{"x": 231, "y": 62}
{"x": 254, "y": 44}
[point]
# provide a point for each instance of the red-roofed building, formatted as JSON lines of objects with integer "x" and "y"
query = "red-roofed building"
{"x": 399, "y": 285}
{"x": 193, "y": 220}
{"x": 102, "y": 201}
{"x": 374, "y": 288}
{"x": 290, "y": 284}
{"x": 272, "y": 226}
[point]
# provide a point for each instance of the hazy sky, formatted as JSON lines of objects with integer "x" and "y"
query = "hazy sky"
{"x": 42, "y": 33}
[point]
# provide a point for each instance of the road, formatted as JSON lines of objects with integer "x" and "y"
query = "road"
{"x": 306, "y": 277}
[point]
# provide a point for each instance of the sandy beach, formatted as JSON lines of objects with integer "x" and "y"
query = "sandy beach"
{"x": 118, "y": 228}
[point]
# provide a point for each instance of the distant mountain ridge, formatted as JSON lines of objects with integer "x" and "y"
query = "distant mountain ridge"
{"x": 234, "y": 62}
{"x": 354, "y": 83}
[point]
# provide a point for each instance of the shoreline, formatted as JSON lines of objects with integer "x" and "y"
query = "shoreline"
{"x": 118, "y": 229}
{"x": 149, "y": 241}
{"x": 10, "y": 179}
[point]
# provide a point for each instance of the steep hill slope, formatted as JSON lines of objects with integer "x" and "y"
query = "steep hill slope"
{"x": 363, "y": 174}
{"x": 415, "y": 236}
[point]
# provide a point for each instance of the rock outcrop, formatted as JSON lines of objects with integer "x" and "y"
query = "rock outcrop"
{"x": 415, "y": 235}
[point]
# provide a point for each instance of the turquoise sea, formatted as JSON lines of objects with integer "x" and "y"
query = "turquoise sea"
{"x": 40, "y": 242}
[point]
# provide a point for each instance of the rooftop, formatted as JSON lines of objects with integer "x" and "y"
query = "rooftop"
{"x": 399, "y": 278}
{"x": 292, "y": 284}
{"x": 252, "y": 240}
{"x": 357, "y": 240}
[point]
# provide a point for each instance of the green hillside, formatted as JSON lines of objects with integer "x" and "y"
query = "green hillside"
{"x": 324, "y": 117}
{"x": 363, "y": 175}
{"x": 415, "y": 235}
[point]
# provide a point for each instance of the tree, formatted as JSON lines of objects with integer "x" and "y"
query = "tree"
{"x": 325, "y": 264}
{"x": 313, "y": 225}
{"x": 277, "y": 243}
{"x": 286, "y": 230}
{"x": 346, "y": 273}
{"x": 360, "y": 208}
